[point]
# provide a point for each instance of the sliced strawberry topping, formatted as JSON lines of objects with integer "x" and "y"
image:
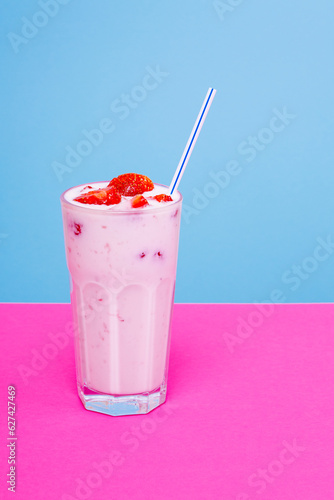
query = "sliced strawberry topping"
{"x": 107, "y": 196}
{"x": 139, "y": 201}
{"x": 162, "y": 197}
{"x": 132, "y": 184}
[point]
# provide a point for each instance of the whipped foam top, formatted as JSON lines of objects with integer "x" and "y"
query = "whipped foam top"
{"x": 125, "y": 204}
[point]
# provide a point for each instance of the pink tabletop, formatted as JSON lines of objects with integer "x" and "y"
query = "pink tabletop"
{"x": 249, "y": 411}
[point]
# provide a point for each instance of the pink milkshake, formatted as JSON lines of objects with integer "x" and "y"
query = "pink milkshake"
{"x": 122, "y": 260}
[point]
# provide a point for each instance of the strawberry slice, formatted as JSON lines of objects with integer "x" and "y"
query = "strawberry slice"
{"x": 139, "y": 201}
{"x": 131, "y": 184}
{"x": 107, "y": 196}
{"x": 162, "y": 197}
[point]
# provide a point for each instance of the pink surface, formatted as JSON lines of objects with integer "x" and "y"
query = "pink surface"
{"x": 253, "y": 421}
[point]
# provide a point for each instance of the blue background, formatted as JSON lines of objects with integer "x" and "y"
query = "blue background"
{"x": 259, "y": 55}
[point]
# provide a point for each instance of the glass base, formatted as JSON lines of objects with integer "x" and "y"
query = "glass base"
{"x": 136, "y": 404}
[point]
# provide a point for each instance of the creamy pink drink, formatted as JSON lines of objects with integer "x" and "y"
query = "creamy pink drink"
{"x": 122, "y": 262}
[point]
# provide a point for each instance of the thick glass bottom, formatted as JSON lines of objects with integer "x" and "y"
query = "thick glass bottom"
{"x": 135, "y": 404}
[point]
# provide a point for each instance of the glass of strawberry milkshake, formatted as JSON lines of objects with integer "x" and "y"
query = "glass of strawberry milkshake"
{"x": 121, "y": 241}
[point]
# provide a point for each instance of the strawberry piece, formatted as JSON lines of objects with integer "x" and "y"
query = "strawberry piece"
{"x": 162, "y": 197}
{"x": 131, "y": 184}
{"x": 77, "y": 228}
{"x": 107, "y": 196}
{"x": 139, "y": 201}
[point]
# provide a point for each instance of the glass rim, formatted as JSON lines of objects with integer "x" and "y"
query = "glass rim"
{"x": 86, "y": 208}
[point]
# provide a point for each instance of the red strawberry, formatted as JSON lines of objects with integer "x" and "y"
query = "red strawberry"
{"x": 131, "y": 184}
{"x": 77, "y": 228}
{"x": 107, "y": 196}
{"x": 162, "y": 197}
{"x": 139, "y": 201}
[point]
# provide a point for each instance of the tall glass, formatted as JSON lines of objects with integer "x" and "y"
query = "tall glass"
{"x": 122, "y": 268}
